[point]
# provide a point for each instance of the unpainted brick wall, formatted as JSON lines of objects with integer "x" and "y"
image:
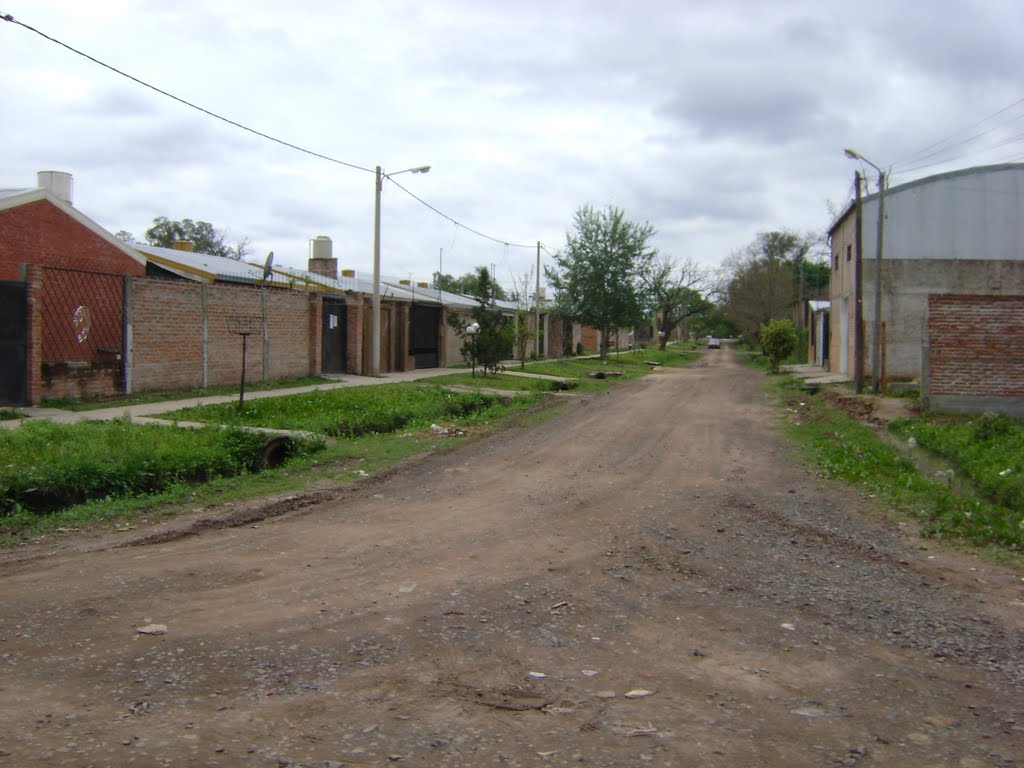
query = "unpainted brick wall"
{"x": 976, "y": 345}
{"x": 41, "y": 233}
{"x": 168, "y": 320}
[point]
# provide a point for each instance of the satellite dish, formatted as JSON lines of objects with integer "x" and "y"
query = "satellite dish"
{"x": 268, "y": 267}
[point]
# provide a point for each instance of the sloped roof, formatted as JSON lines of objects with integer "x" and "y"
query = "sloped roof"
{"x": 892, "y": 191}
{"x": 13, "y": 198}
{"x": 205, "y": 267}
{"x": 313, "y": 281}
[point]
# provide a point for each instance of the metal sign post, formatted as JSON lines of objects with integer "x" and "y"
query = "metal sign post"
{"x": 243, "y": 325}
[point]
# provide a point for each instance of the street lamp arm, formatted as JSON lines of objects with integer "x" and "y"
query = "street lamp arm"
{"x": 417, "y": 169}
{"x": 855, "y": 155}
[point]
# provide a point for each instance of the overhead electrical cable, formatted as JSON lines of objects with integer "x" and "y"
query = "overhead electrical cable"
{"x": 932, "y": 148}
{"x": 210, "y": 113}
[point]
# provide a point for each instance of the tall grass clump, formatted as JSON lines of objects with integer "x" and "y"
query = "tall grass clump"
{"x": 988, "y": 451}
{"x": 48, "y": 466}
{"x": 348, "y": 412}
{"x": 845, "y": 449}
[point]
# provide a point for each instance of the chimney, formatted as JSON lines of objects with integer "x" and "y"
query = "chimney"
{"x": 183, "y": 245}
{"x": 57, "y": 183}
{"x": 321, "y": 261}
{"x": 348, "y": 273}
{"x": 405, "y": 282}
{"x": 422, "y": 285}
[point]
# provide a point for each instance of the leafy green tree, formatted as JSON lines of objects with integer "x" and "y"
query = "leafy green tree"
{"x": 771, "y": 274}
{"x": 523, "y": 295}
{"x": 778, "y": 340}
{"x": 492, "y": 343}
{"x": 205, "y": 238}
{"x": 599, "y": 278}
{"x": 467, "y": 284}
{"x": 676, "y": 292}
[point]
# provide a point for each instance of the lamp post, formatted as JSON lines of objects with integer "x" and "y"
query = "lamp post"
{"x": 472, "y": 330}
{"x": 876, "y": 341}
{"x": 375, "y": 309}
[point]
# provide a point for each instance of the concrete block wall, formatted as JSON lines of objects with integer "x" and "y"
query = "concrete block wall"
{"x": 974, "y": 358}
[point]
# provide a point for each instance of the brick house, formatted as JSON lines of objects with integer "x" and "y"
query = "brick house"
{"x": 953, "y": 233}
{"x": 61, "y": 277}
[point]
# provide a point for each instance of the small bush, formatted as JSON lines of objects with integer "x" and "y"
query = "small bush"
{"x": 778, "y": 339}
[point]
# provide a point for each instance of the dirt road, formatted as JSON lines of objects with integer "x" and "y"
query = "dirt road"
{"x": 645, "y": 579}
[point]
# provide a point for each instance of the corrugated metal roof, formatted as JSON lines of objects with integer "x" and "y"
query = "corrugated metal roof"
{"x": 313, "y": 281}
{"x": 207, "y": 267}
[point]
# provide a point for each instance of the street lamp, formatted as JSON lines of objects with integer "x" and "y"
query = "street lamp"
{"x": 472, "y": 331}
{"x": 876, "y": 342}
{"x": 375, "y": 309}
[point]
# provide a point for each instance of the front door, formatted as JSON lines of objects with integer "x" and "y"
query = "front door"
{"x": 13, "y": 328}
{"x": 334, "y": 336}
{"x": 424, "y": 335}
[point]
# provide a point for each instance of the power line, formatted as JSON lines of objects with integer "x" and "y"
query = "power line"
{"x": 261, "y": 134}
{"x": 187, "y": 103}
{"x": 917, "y": 156}
{"x": 444, "y": 215}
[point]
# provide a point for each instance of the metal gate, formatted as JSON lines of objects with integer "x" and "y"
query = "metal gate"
{"x": 424, "y": 335}
{"x": 13, "y": 333}
{"x": 334, "y": 336}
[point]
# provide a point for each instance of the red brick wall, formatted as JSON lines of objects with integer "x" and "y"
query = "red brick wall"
{"x": 34, "y": 340}
{"x": 354, "y": 348}
{"x": 976, "y": 345}
{"x": 167, "y": 334}
{"x": 41, "y": 233}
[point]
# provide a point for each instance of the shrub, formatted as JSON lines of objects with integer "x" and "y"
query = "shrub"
{"x": 778, "y": 339}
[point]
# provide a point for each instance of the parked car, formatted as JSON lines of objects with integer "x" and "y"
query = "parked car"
{"x": 714, "y": 344}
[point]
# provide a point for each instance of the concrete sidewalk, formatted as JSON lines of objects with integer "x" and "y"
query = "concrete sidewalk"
{"x": 147, "y": 411}
{"x": 815, "y": 374}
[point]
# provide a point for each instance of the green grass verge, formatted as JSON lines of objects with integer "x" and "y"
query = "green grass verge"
{"x": 988, "y": 451}
{"x": 631, "y": 364}
{"x": 497, "y": 381}
{"x": 10, "y": 414}
{"x": 349, "y": 412}
{"x": 49, "y": 466}
{"x": 843, "y": 448}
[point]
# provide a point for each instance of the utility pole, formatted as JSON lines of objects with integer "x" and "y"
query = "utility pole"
{"x": 536, "y": 308}
{"x": 858, "y": 290}
{"x": 876, "y": 348}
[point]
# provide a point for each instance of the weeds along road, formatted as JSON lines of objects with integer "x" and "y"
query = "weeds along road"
{"x": 645, "y": 579}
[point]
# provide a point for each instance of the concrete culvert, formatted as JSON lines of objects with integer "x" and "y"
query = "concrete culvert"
{"x": 275, "y": 450}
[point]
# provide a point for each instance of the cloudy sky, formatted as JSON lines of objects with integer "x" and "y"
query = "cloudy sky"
{"x": 710, "y": 120}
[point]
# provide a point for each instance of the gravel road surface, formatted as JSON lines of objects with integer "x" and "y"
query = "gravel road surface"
{"x": 647, "y": 578}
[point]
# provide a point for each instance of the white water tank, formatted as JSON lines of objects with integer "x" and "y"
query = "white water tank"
{"x": 320, "y": 247}
{"x": 58, "y": 183}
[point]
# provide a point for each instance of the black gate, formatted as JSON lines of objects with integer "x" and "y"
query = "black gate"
{"x": 334, "y": 336}
{"x": 424, "y": 335}
{"x": 13, "y": 328}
